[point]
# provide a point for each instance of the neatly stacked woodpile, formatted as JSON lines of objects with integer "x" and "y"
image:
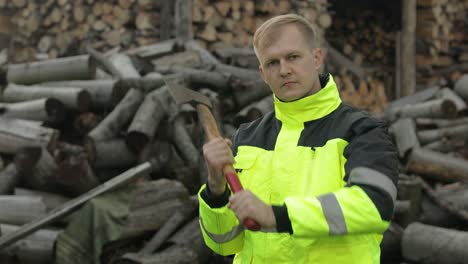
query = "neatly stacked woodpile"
{"x": 57, "y": 28}
{"x": 430, "y": 129}
{"x": 442, "y": 39}
{"x": 225, "y": 23}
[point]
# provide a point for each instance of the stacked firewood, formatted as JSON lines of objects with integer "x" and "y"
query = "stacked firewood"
{"x": 441, "y": 38}
{"x": 430, "y": 129}
{"x": 57, "y": 28}
{"x": 224, "y": 23}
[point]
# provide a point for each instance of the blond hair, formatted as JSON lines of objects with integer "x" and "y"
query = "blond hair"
{"x": 273, "y": 24}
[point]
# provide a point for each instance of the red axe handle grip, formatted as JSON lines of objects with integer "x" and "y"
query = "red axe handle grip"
{"x": 211, "y": 130}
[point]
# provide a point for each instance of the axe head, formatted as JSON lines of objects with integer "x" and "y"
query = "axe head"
{"x": 183, "y": 95}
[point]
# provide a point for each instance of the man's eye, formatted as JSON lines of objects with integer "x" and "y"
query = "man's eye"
{"x": 293, "y": 57}
{"x": 272, "y": 63}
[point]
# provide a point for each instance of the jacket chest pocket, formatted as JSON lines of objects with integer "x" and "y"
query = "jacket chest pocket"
{"x": 244, "y": 166}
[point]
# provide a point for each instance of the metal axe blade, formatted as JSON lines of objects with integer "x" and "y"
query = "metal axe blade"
{"x": 183, "y": 95}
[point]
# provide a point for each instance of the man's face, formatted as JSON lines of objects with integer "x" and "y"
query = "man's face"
{"x": 289, "y": 65}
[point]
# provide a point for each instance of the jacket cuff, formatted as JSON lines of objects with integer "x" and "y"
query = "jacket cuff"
{"x": 283, "y": 224}
{"x": 215, "y": 201}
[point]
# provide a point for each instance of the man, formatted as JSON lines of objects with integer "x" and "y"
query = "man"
{"x": 319, "y": 177}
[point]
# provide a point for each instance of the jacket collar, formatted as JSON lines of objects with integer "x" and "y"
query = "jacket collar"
{"x": 312, "y": 107}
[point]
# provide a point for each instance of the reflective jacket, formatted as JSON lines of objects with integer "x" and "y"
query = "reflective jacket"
{"x": 328, "y": 170}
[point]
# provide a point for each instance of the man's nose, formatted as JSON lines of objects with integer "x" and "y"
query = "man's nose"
{"x": 285, "y": 69}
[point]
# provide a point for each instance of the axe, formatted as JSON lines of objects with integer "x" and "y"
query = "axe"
{"x": 184, "y": 95}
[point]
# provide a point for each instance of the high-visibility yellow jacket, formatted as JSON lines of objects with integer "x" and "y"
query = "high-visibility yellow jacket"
{"x": 328, "y": 170}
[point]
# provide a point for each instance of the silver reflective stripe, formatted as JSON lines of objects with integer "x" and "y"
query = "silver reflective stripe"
{"x": 223, "y": 238}
{"x": 373, "y": 178}
{"x": 333, "y": 214}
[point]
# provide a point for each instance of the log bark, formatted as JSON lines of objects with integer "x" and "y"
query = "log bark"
{"x": 430, "y": 245}
{"x": 404, "y": 131}
{"x": 147, "y": 118}
{"x": 187, "y": 247}
{"x": 68, "y": 68}
{"x": 447, "y": 93}
{"x": 432, "y": 135}
{"x": 110, "y": 154}
{"x": 18, "y": 210}
{"x": 156, "y": 50}
{"x": 124, "y": 178}
{"x": 100, "y": 90}
{"x": 16, "y": 134}
{"x": 37, "y": 248}
{"x": 184, "y": 143}
{"x": 415, "y": 98}
{"x": 251, "y": 91}
{"x": 73, "y": 98}
{"x": 410, "y": 190}
{"x": 446, "y": 145}
{"x": 124, "y": 111}
{"x": 408, "y": 47}
{"x": 37, "y": 169}
{"x": 456, "y": 194}
{"x": 442, "y": 108}
{"x": 145, "y": 84}
{"x": 74, "y": 176}
{"x": 45, "y": 109}
{"x": 9, "y": 178}
{"x": 431, "y": 122}
{"x": 50, "y": 200}
{"x": 437, "y": 165}
{"x": 391, "y": 244}
{"x": 151, "y": 217}
{"x": 433, "y": 214}
{"x": 461, "y": 87}
{"x": 183, "y": 19}
{"x": 254, "y": 111}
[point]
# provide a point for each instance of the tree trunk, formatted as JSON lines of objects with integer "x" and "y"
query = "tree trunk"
{"x": 147, "y": 118}
{"x": 75, "y": 176}
{"x": 19, "y": 210}
{"x": 38, "y": 248}
{"x": 408, "y": 47}
{"x": 110, "y": 154}
{"x": 461, "y": 87}
{"x": 37, "y": 169}
{"x": 124, "y": 111}
{"x": 45, "y": 109}
{"x": 404, "y": 131}
{"x": 432, "y": 245}
{"x": 73, "y": 98}
{"x": 428, "y": 136}
{"x": 9, "y": 178}
{"x": 442, "y": 108}
{"x": 68, "y": 68}
{"x": 100, "y": 90}
{"x": 16, "y": 134}
{"x": 437, "y": 165}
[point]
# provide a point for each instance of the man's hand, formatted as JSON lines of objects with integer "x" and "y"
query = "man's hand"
{"x": 246, "y": 205}
{"x": 217, "y": 153}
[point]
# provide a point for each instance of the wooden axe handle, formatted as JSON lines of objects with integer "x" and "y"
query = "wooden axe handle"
{"x": 211, "y": 131}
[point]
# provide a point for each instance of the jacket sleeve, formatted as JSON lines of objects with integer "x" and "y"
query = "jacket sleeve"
{"x": 365, "y": 204}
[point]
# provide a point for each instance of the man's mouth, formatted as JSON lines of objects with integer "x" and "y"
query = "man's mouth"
{"x": 286, "y": 83}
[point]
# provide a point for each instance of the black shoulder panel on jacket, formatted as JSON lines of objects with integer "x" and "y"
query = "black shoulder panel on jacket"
{"x": 335, "y": 125}
{"x": 261, "y": 133}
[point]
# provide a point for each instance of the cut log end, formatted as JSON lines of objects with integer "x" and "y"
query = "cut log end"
{"x": 136, "y": 141}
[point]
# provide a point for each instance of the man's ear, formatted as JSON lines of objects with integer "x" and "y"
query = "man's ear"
{"x": 318, "y": 56}
{"x": 262, "y": 74}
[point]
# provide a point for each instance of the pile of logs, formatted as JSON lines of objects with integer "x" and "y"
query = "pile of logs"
{"x": 57, "y": 28}
{"x": 441, "y": 39}
{"x": 73, "y": 127}
{"x": 232, "y": 23}
{"x": 430, "y": 130}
